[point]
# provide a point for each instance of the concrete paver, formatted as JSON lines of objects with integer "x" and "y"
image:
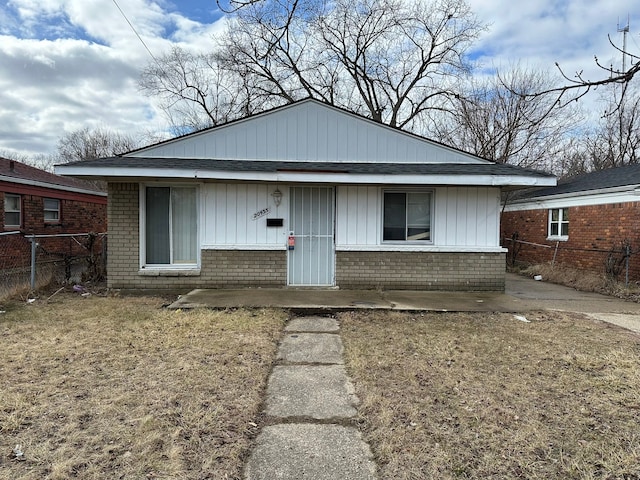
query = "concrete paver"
{"x": 311, "y": 348}
{"x": 317, "y": 391}
{"x": 310, "y": 452}
{"x": 313, "y": 324}
{"x": 310, "y": 387}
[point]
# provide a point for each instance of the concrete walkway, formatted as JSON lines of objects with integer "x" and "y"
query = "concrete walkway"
{"x": 310, "y": 405}
{"x": 521, "y": 295}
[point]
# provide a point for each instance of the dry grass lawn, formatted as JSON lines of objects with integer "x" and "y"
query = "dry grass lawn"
{"x": 480, "y": 396}
{"x": 120, "y": 388}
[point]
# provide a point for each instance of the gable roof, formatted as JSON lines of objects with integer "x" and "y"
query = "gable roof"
{"x": 307, "y": 142}
{"x": 307, "y": 130}
{"x": 625, "y": 177}
{"x": 12, "y": 171}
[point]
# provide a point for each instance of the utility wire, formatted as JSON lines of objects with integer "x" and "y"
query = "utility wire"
{"x": 135, "y": 31}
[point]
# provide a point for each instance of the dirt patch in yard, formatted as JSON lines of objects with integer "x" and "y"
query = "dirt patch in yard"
{"x": 482, "y": 396}
{"x": 120, "y": 388}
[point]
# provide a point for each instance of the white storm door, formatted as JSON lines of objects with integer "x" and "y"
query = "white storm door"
{"x": 311, "y": 219}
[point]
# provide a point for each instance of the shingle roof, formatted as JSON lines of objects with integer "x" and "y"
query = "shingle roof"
{"x": 20, "y": 171}
{"x": 613, "y": 177}
{"x": 316, "y": 167}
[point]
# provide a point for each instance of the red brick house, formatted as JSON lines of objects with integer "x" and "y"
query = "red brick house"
{"x": 588, "y": 222}
{"x": 36, "y": 202}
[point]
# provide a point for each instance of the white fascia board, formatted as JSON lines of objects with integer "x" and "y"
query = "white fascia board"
{"x": 309, "y": 177}
{"x": 576, "y": 200}
{"x": 419, "y": 248}
{"x": 53, "y": 186}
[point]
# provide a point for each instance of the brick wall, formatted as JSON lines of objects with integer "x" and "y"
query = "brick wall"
{"x": 593, "y": 231}
{"x": 421, "y": 270}
{"x": 123, "y": 259}
{"x": 76, "y": 216}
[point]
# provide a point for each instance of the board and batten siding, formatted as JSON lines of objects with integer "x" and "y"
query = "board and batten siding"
{"x": 463, "y": 217}
{"x": 228, "y": 216}
{"x": 311, "y": 132}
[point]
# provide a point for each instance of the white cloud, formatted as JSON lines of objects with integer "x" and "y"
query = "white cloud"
{"x": 65, "y": 64}
{"x": 75, "y": 63}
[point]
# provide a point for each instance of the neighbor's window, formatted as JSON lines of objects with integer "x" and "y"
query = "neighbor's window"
{"x": 559, "y": 223}
{"x": 12, "y": 210}
{"x": 407, "y": 216}
{"x": 171, "y": 226}
{"x": 51, "y": 210}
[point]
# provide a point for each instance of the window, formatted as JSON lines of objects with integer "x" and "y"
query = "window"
{"x": 407, "y": 216}
{"x": 12, "y": 210}
{"x": 51, "y": 210}
{"x": 559, "y": 223}
{"x": 170, "y": 226}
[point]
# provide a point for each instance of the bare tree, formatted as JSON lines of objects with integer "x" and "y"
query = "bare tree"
{"x": 614, "y": 141}
{"x": 577, "y": 86}
{"x": 194, "y": 90}
{"x": 390, "y": 60}
{"x": 492, "y": 121}
{"x": 84, "y": 144}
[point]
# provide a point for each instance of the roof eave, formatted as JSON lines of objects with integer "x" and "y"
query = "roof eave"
{"x": 53, "y": 186}
{"x": 110, "y": 174}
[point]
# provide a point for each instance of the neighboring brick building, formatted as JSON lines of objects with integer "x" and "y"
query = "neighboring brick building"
{"x": 36, "y": 202}
{"x": 586, "y": 222}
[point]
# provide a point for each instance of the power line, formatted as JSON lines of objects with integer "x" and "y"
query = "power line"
{"x": 134, "y": 30}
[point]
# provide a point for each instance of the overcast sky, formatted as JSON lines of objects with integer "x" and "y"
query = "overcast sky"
{"x": 67, "y": 64}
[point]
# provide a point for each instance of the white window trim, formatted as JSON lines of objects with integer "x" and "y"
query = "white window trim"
{"x": 58, "y": 210}
{"x": 176, "y": 269}
{"x": 560, "y": 222}
{"x": 19, "y": 197}
{"x": 431, "y": 216}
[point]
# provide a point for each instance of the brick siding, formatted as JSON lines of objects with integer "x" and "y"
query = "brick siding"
{"x": 123, "y": 259}
{"x": 421, "y": 270}
{"x": 76, "y": 216}
{"x": 592, "y": 227}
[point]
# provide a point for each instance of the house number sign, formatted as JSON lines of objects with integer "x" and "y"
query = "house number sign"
{"x": 261, "y": 213}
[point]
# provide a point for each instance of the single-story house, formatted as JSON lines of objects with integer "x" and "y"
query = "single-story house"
{"x": 587, "y": 222}
{"x": 305, "y": 195}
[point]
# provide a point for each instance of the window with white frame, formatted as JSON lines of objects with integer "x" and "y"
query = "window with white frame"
{"x": 12, "y": 210}
{"x": 559, "y": 223}
{"x": 170, "y": 226}
{"x": 51, "y": 210}
{"x": 407, "y": 216}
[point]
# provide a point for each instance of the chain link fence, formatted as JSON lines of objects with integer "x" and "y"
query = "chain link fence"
{"x": 32, "y": 262}
{"x": 620, "y": 262}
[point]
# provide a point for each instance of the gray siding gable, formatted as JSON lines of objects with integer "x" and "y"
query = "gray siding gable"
{"x": 308, "y": 131}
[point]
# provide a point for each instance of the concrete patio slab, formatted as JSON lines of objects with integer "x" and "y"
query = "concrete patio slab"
{"x": 311, "y": 348}
{"x": 313, "y": 324}
{"x": 308, "y": 451}
{"x": 321, "y": 392}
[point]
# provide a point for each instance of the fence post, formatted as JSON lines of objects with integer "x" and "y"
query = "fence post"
{"x": 555, "y": 253}
{"x": 627, "y": 254}
{"x": 34, "y": 246}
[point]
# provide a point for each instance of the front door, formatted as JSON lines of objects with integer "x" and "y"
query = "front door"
{"x": 311, "y": 261}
